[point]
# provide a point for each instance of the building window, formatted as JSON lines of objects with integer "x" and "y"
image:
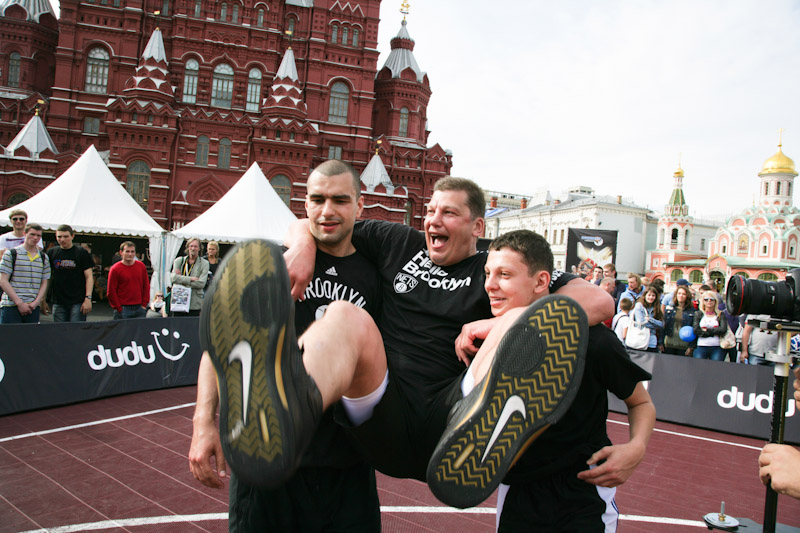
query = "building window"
{"x": 764, "y": 249}
{"x": 768, "y": 276}
{"x": 165, "y": 8}
{"x": 201, "y": 153}
{"x": 16, "y": 198}
{"x": 235, "y": 13}
{"x": 138, "y": 182}
{"x": 253, "y": 90}
{"x": 190, "y": 81}
{"x": 97, "y": 70}
{"x": 260, "y": 18}
{"x": 283, "y": 187}
{"x": 724, "y": 249}
{"x": 355, "y": 37}
{"x": 403, "y": 122}
{"x": 777, "y": 187}
{"x": 334, "y": 33}
{"x": 674, "y": 238}
{"x": 13, "y": 69}
{"x": 655, "y": 262}
{"x": 224, "y": 157}
{"x": 676, "y": 274}
{"x": 744, "y": 244}
{"x": 291, "y": 26}
{"x": 222, "y": 86}
{"x": 344, "y": 34}
{"x": 766, "y": 189}
{"x": 791, "y": 250}
{"x": 278, "y": 135}
{"x": 134, "y": 117}
{"x": 291, "y": 137}
{"x": 91, "y": 125}
{"x": 334, "y": 152}
{"x": 340, "y": 99}
{"x": 696, "y": 276}
{"x": 702, "y": 244}
{"x": 744, "y": 274}
{"x": 198, "y": 8}
{"x": 223, "y": 12}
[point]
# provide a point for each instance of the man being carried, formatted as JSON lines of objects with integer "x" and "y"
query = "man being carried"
{"x": 190, "y": 271}
{"x": 128, "y": 286}
{"x": 72, "y": 278}
{"x": 396, "y": 399}
{"x": 565, "y": 480}
{"x": 24, "y": 271}
{"x": 334, "y": 489}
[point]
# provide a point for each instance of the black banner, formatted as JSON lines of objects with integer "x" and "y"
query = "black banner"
{"x": 43, "y": 365}
{"x": 726, "y": 397}
{"x": 588, "y": 248}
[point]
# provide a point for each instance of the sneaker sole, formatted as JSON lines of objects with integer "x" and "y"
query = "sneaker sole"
{"x": 247, "y": 315}
{"x": 532, "y": 382}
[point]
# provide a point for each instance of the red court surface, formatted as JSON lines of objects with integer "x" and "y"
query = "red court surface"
{"x": 120, "y": 464}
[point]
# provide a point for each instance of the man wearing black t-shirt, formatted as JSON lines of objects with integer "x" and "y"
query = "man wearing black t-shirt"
{"x": 395, "y": 399}
{"x": 334, "y": 488}
{"x": 71, "y": 279}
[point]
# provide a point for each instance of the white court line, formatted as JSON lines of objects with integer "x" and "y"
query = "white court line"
{"x": 95, "y": 423}
{"x": 717, "y": 441}
{"x": 154, "y": 520}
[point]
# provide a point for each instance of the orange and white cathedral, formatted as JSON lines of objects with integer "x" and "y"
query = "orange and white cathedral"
{"x": 761, "y": 242}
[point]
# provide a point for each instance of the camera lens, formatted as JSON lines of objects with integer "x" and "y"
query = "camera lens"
{"x": 757, "y": 297}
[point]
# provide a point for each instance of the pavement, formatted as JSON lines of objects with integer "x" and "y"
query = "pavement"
{"x": 101, "y": 311}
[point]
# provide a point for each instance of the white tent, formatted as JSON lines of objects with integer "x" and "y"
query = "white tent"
{"x": 251, "y": 209}
{"x": 90, "y": 199}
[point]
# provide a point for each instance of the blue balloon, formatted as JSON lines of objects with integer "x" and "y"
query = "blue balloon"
{"x": 686, "y": 334}
{"x": 796, "y": 343}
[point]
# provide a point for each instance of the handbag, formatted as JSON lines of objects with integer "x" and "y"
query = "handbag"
{"x": 638, "y": 337}
{"x": 728, "y": 341}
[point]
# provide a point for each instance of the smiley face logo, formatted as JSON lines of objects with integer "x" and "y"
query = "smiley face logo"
{"x": 165, "y": 334}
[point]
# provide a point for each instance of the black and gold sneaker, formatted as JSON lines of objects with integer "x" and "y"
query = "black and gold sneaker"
{"x": 532, "y": 382}
{"x": 269, "y": 405}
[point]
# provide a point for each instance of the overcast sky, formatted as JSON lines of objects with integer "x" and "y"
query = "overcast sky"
{"x": 610, "y": 94}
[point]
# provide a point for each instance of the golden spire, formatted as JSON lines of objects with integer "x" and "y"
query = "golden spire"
{"x": 679, "y": 172}
{"x": 404, "y": 8}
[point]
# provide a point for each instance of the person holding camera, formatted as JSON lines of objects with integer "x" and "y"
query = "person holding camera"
{"x": 709, "y": 328}
{"x": 780, "y": 463}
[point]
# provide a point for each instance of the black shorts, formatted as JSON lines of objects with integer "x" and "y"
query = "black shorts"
{"x": 314, "y": 499}
{"x": 559, "y": 503}
{"x": 398, "y": 440}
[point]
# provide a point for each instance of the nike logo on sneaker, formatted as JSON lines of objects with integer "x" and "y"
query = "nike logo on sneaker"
{"x": 243, "y": 353}
{"x": 331, "y": 271}
{"x": 513, "y": 405}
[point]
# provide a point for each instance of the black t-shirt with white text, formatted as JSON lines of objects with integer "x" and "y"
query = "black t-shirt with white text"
{"x": 67, "y": 274}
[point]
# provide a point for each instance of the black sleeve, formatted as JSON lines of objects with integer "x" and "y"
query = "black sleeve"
{"x": 376, "y": 238}
{"x": 619, "y": 374}
{"x": 559, "y": 279}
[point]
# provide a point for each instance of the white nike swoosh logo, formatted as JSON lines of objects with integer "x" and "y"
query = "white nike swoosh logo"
{"x": 513, "y": 405}
{"x": 244, "y": 354}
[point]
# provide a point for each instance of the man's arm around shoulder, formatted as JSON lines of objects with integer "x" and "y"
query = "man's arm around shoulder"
{"x": 597, "y": 303}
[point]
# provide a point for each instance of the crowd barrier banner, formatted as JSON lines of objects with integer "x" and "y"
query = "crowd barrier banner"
{"x": 43, "y": 365}
{"x": 726, "y": 397}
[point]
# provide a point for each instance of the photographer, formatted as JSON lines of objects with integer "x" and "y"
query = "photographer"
{"x": 780, "y": 463}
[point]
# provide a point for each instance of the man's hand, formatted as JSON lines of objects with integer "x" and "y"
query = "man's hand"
{"x": 620, "y": 462}
{"x": 466, "y": 346}
{"x": 300, "y": 264}
{"x": 205, "y": 445}
{"x": 86, "y": 306}
{"x": 797, "y": 386}
{"x": 24, "y": 308}
{"x": 780, "y": 463}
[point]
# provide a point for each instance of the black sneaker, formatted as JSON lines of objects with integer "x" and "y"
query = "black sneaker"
{"x": 269, "y": 405}
{"x": 532, "y": 382}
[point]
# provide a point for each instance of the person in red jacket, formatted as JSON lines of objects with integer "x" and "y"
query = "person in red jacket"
{"x": 128, "y": 286}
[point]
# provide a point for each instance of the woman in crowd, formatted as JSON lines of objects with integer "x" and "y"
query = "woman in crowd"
{"x": 677, "y": 314}
{"x": 647, "y": 311}
{"x": 212, "y": 251}
{"x": 709, "y": 327}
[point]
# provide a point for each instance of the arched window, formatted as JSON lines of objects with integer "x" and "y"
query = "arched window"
{"x": 190, "y": 81}
{"x": 291, "y": 26}
{"x": 235, "y": 13}
{"x": 198, "y": 8}
{"x": 340, "y": 100}
{"x": 334, "y": 33}
{"x": 766, "y": 188}
{"x": 224, "y": 157}
{"x": 253, "y": 90}
{"x": 223, "y": 12}
{"x": 97, "y": 70}
{"x": 201, "y": 153}
{"x": 744, "y": 244}
{"x": 789, "y": 188}
{"x": 674, "y": 238}
{"x": 16, "y": 198}
{"x": 138, "y": 182}
{"x": 260, "y": 18}
{"x": 344, "y": 34}
{"x": 283, "y": 186}
{"x": 403, "y": 122}
{"x": 222, "y": 86}
{"x": 696, "y": 276}
{"x": 744, "y": 274}
{"x": 676, "y": 274}
{"x": 355, "y": 36}
{"x": 13, "y": 69}
{"x": 768, "y": 276}
{"x": 777, "y": 187}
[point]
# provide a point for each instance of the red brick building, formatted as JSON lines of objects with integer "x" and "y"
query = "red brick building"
{"x": 184, "y": 95}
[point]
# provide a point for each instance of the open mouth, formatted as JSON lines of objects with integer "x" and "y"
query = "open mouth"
{"x": 438, "y": 240}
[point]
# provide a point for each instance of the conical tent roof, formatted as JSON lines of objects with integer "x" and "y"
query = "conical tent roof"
{"x": 251, "y": 209}
{"x": 90, "y": 199}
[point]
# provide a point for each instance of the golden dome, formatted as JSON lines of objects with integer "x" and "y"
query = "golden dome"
{"x": 778, "y": 164}
{"x": 678, "y": 173}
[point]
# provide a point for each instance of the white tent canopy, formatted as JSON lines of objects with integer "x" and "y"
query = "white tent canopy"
{"x": 90, "y": 199}
{"x": 251, "y": 209}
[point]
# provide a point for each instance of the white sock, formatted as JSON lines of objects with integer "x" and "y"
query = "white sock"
{"x": 359, "y": 410}
{"x": 468, "y": 383}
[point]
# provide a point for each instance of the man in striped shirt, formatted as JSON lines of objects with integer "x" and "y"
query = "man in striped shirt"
{"x": 24, "y": 272}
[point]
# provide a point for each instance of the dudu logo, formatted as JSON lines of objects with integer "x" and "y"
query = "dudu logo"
{"x": 728, "y": 399}
{"x": 132, "y": 355}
